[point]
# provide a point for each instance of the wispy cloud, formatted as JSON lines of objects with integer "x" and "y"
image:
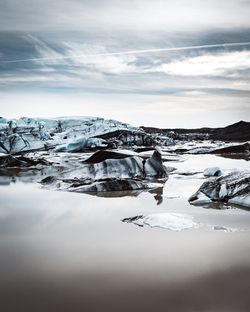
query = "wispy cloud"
{"x": 82, "y": 58}
{"x": 95, "y": 54}
{"x": 61, "y": 66}
{"x": 97, "y": 58}
{"x": 79, "y": 57}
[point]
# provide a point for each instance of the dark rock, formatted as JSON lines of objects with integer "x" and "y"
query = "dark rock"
{"x": 236, "y": 149}
{"x": 49, "y": 180}
{"x": 132, "y": 219}
{"x": 239, "y": 131}
{"x": 103, "y": 155}
{"x": 143, "y": 149}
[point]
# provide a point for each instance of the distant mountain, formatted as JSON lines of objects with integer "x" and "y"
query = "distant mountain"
{"x": 237, "y": 132}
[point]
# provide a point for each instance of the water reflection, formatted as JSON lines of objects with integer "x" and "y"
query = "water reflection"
{"x": 223, "y": 206}
{"x": 70, "y": 251}
{"x": 158, "y": 194}
{"x": 26, "y": 174}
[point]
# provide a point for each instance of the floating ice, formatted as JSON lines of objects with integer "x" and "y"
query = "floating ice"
{"x": 170, "y": 221}
{"x": 212, "y": 172}
{"x": 233, "y": 188}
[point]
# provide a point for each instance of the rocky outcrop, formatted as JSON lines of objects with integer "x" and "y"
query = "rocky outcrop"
{"x": 234, "y": 149}
{"x": 237, "y": 132}
{"x": 233, "y": 188}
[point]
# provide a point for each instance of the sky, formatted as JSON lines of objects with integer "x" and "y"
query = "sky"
{"x": 127, "y": 60}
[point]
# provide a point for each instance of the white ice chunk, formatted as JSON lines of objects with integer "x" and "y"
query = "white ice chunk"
{"x": 241, "y": 200}
{"x": 233, "y": 188}
{"x": 79, "y": 143}
{"x": 170, "y": 221}
{"x": 212, "y": 172}
{"x": 202, "y": 199}
{"x": 223, "y": 191}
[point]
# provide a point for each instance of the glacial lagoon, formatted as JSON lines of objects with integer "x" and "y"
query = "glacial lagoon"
{"x": 67, "y": 249}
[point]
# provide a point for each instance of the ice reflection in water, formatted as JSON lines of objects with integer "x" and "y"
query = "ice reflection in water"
{"x": 70, "y": 251}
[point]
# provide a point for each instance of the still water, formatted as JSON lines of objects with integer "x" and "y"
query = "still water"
{"x": 70, "y": 252}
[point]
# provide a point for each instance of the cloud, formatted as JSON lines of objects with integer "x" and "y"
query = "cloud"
{"x": 78, "y": 58}
{"x": 105, "y": 63}
{"x": 47, "y": 55}
{"x": 219, "y": 64}
{"x": 34, "y": 78}
{"x": 117, "y": 15}
{"x": 175, "y": 88}
{"x": 100, "y": 52}
{"x": 53, "y": 65}
{"x": 194, "y": 93}
{"x": 96, "y": 59}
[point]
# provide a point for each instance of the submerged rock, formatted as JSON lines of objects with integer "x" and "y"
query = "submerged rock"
{"x": 170, "y": 221}
{"x": 233, "y": 188}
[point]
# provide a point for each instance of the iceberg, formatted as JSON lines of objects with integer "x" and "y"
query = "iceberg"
{"x": 233, "y": 188}
{"x": 106, "y": 164}
{"x": 80, "y": 143}
{"x": 170, "y": 221}
{"x": 212, "y": 172}
{"x": 111, "y": 171}
{"x": 66, "y": 133}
